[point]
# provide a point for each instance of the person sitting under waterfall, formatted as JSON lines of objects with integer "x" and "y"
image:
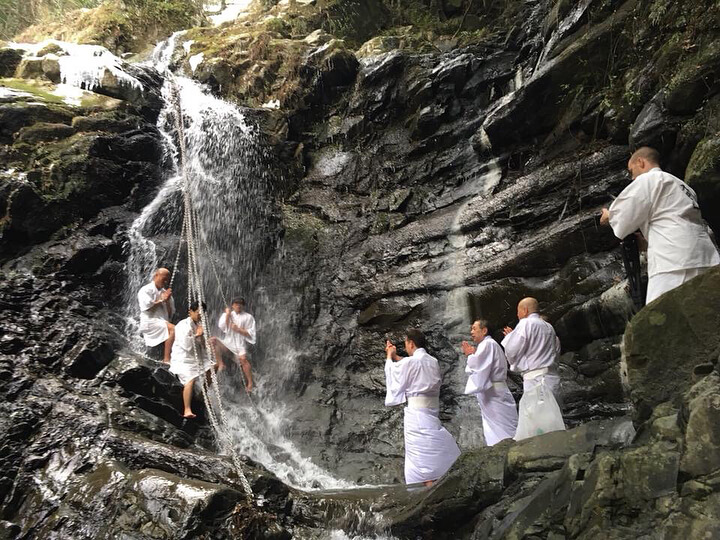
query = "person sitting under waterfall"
{"x": 430, "y": 450}
{"x": 188, "y": 352}
{"x": 487, "y": 370}
{"x": 533, "y": 348}
{"x": 238, "y": 327}
{"x": 666, "y": 211}
{"x": 156, "y": 308}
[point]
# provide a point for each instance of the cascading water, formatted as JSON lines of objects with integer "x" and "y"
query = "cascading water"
{"x": 227, "y": 168}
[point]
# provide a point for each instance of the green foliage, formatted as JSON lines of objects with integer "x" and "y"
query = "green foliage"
{"x": 16, "y": 15}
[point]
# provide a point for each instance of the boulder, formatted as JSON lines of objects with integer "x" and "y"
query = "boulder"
{"x": 9, "y": 60}
{"x": 668, "y": 339}
{"x": 702, "y": 431}
{"x": 703, "y": 175}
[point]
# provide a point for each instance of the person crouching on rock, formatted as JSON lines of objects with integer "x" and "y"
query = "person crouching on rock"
{"x": 156, "y": 308}
{"x": 487, "y": 370}
{"x": 239, "y": 332}
{"x": 430, "y": 450}
{"x": 188, "y": 353}
{"x": 533, "y": 349}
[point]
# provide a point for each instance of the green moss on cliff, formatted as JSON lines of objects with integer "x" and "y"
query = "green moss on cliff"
{"x": 126, "y": 26}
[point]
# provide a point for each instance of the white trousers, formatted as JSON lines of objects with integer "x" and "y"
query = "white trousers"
{"x": 666, "y": 281}
{"x": 430, "y": 450}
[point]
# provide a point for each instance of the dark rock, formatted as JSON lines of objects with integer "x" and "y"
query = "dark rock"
{"x": 667, "y": 339}
{"x": 702, "y": 430}
{"x": 9, "y": 61}
{"x": 42, "y": 132}
{"x": 475, "y": 481}
{"x": 654, "y": 127}
{"x": 703, "y": 175}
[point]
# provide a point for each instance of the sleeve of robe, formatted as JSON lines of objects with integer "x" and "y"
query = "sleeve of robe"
{"x": 515, "y": 344}
{"x": 222, "y": 323}
{"x": 251, "y": 338}
{"x": 395, "y": 382}
{"x": 145, "y": 299}
{"x": 478, "y": 368}
{"x": 632, "y": 207}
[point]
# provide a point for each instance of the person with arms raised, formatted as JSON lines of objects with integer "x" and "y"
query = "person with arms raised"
{"x": 156, "y": 308}
{"x": 533, "y": 348}
{"x": 430, "y": 450}
{"x": 487, "y": 373}
{"x": 666, "y": 211}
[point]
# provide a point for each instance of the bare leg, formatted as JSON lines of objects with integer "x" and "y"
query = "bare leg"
{"x": 428, "y": 483}
{"x": 219, "y": 349}
{"x": 187, "y": 398}
{"x": 169, "y": 342}
{"x": 245, "y": 365}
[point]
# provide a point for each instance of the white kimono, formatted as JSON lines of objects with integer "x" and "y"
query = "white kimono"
{"x": 182, "y": 357}
{"x": 233, "y": 340}
{"x": 154, "y": 317}
{"x": 666, "y": 211}
{"x": 533, "y": 349}
{"x": 430, "y": 450}
{"x": 487, "y": 370}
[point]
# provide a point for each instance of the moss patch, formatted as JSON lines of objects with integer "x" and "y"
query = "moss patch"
{"x": 128, "y": 26}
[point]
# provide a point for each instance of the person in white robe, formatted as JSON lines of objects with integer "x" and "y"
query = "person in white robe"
{"x": 430, "y": 450}
{"x": 487, "y": 379}
{"x": 532, "y": 349}
{"x": 156, "y": 308}
{"x": 666, "y": 211}
{"x": 188, "y": 353}
{"x": 238, "y": 327}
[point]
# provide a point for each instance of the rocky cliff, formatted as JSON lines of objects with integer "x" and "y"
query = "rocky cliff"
{"x": 435, "y": 162}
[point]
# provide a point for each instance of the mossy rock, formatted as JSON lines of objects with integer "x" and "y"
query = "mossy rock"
{"x": 9, "y": 61}
{"x": 668, "y": 339}
{"x": 696, "y": 77}
{"x": 703, "y": 175}
{"x": 354, "y": 20}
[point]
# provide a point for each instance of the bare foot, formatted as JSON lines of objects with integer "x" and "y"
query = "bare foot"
{"x": 249, "y": 389}
{"x": 189, "y": 414}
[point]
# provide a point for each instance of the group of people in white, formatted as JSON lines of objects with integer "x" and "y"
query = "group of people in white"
{"x": 663, "y": 210}
{"x": 532, "y": 348}
{"x": 184, "y": 343}
{"x": 659, "y": 205}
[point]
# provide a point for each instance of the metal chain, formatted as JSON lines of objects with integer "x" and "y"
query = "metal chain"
{"x": 195, "y": 291}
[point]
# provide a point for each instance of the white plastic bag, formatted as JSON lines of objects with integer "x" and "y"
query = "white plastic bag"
{"x": 538, "y": 412}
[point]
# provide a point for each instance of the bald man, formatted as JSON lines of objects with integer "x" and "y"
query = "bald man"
{"x": 533, "y": 348}
{"x": 156, "y": 308}
{"x": 666, "y": 211}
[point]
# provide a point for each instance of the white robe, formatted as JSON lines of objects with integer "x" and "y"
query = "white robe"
{"x": 487, "y": 370}
{"x": 182, "y": 357}
{"x": 154, "y": 317}
{"x": 531, "y": 346}
{"x": 233, "y": 340}
{"x": 430, "y": 450}
{"x": 666, "y": 211}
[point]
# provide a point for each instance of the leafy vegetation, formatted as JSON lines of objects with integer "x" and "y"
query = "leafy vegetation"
{"x": 125, "y": 26}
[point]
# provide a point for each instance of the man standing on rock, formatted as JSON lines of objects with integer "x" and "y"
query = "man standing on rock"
{"x": 487, "y": 370}
{"x": 533, "y": 349}
{"x": 430, "y": 450}
{"x": 666, "y": 211}
{"x": 188, "y": 352}
{"x": 239, "y": 328}
{"x": 156, "y": 308}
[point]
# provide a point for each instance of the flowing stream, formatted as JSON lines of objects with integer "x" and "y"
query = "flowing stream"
{"x": 229, "y": 173}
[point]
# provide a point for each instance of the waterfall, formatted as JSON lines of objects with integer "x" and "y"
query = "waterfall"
{"x": 228, "y": 169}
